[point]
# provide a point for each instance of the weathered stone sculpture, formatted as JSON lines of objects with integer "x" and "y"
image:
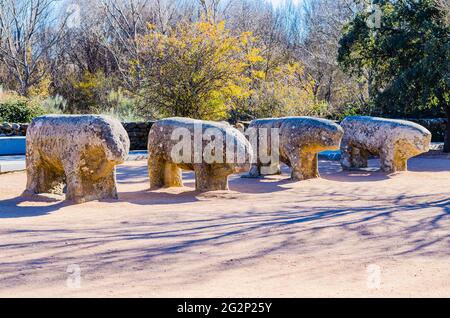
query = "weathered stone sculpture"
{"x": 394, "y": 141}
{"x": 182, "y": 143}
{"x": 80, "y": 151}
{"x": 300, "y": 141}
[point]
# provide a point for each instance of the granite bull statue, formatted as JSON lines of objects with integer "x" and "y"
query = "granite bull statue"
{"x": 300, "y": 139}
{"x": 79, "y": 151}
{"x": 394, "y": 141}
{"x": 213, "y": 150}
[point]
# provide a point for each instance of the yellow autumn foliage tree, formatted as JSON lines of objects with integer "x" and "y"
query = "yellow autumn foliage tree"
{"x": 292, "y": 91}
{"x": 195, "y": 70}
{"x": 285, "y": 90}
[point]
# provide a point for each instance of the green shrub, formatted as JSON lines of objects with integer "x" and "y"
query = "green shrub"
{"x": 53, "y": 105}
{"x": 17, "y": 109}
{"x": 121, "y": 106}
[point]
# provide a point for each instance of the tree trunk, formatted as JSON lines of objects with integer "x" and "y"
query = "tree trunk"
{"x": 447, "y": 132}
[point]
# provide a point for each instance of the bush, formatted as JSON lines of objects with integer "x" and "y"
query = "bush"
{"x": 194, "y": 70}
{"x": 285, "y": 91}
{"x": 123, "y": 107}
{"x": 53, "y": 105}
{"x": 17, "y": 109}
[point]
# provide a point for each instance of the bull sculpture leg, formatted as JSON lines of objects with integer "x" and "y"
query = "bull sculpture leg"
{"x": 163, "y": 173}
{"x": 105, "y": 187}
{"x": 401, "y": 156}
{"x": 303, "y": 165}
{"x": 400, "y": 162}
{"x": 257, "y": 170}
{"x": 310, "y": 165}
{"x": 89, "y": 181}
{"x": 75, "y": 191}
{"x": 43, "y": 177}
{"x": 296, "y": 166}
{"x": 208, "y": 179}
{"x": 353, "y": 157}
{"x": 272, "y": 169}
{"x": 391, "y": 161}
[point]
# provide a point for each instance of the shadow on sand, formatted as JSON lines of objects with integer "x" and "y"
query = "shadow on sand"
{"x": 392, "y": 225}
{"x": 330, "y": 170}
{"x": 14, "y": 208}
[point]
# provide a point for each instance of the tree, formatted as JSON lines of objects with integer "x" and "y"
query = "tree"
{"x": 286, "y": 91}
{"x": 408, "y": 57}
{"x": 195, "y": 70}
{"x": 323, "y": 21}
{"x": 101, "y": 52}
{"x": 444, "y": 6}
{"x": 28, "y": 36}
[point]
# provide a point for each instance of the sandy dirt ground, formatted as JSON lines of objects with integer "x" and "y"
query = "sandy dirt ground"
{"x": 357, "y": 234}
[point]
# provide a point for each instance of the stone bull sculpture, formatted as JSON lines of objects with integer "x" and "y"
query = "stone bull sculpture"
{"x": 80, "y": 151}
{"x": 394, "y": 141}
{"x": 300, "y": 141}
{"x": 182, "y": 143}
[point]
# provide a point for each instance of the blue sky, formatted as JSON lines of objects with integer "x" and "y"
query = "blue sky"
{"x": 278, "y": 2}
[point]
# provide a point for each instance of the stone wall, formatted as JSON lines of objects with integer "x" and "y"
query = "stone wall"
{"x": 138, "y": 131}
{"x": 7, "y": 129}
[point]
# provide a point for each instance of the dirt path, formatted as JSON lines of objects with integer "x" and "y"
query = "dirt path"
{"x": 347, "y": 234}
